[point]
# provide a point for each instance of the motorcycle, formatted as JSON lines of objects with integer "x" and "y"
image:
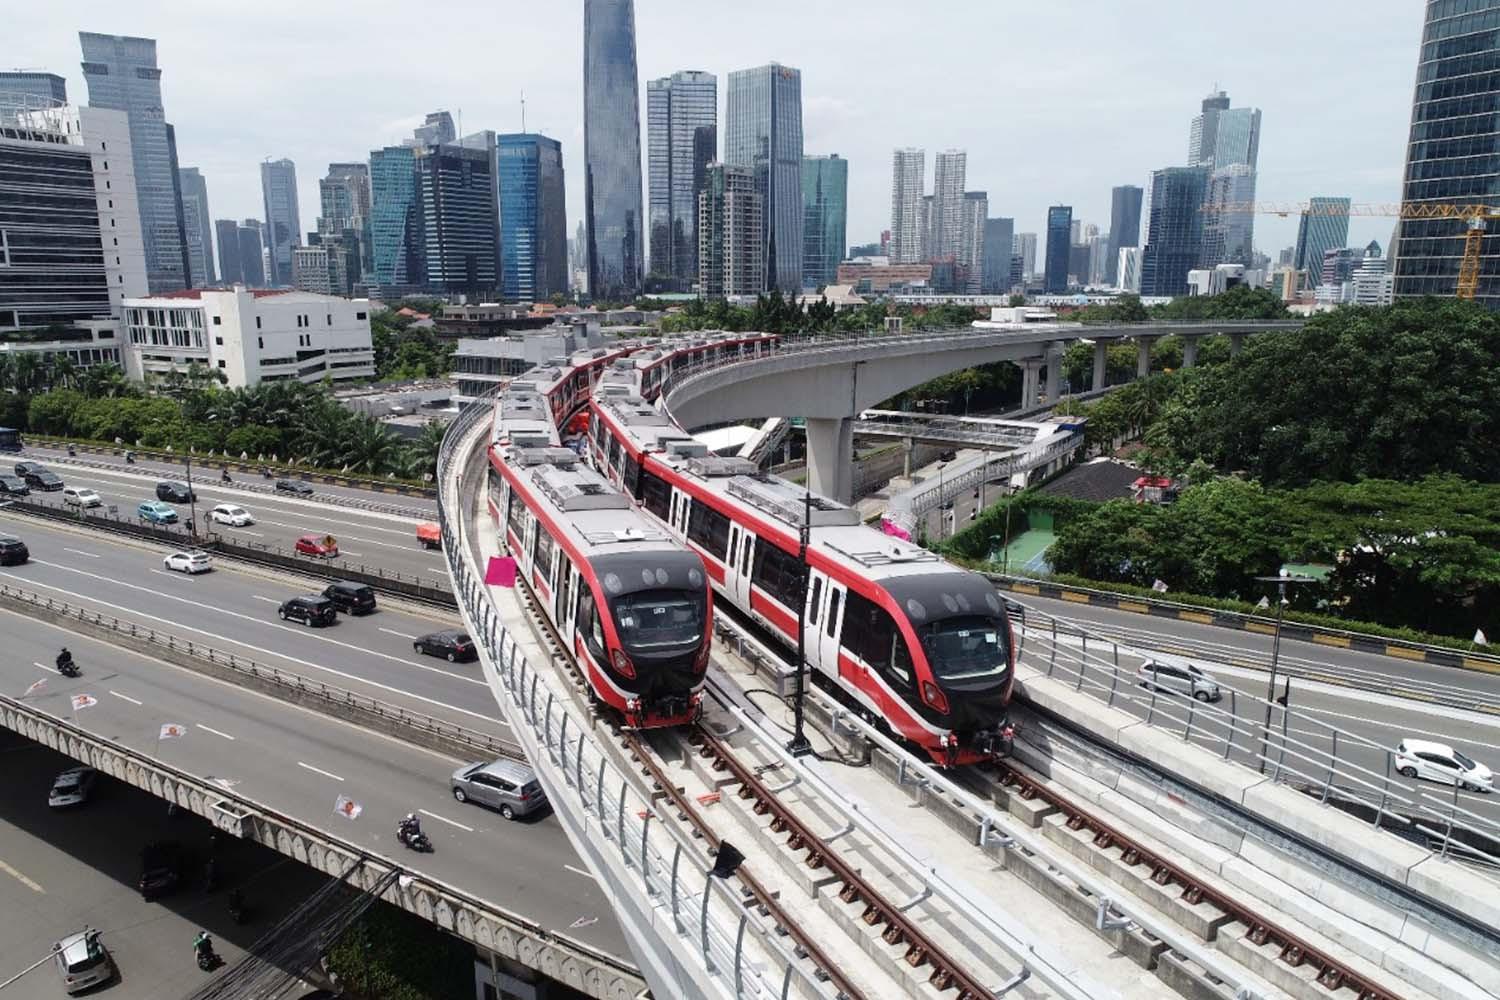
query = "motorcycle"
{"x": 208, "y": 959}
{"x": 130, "y": 458}
{"x": 72, "y": 452}
{"x": 414, "y": 840}
{"x": 67, "y": 667}
{"x": 267, "y": 473}
{"x": 224, "y": 477}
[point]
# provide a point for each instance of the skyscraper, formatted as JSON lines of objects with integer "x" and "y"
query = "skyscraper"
{"x": 972, "y": 213}
{"x": 1237, "y": 139}
{"x": 1174, "y": 232}
{"x": 1124, "y": 227}
{"x": 278, "y": 186}
{"x": 231, "y": 272}
{"x": 394, "y": 252}
{"x": 763, "y": 130}
{"x": 1024, "y": 246}
{"x": 825, "y": 207}
{"x": 253, "y": 252}
{"x": 1324, "y": 226}
{"x": 1229, "y": 226}
{"x": 346, "y": 202}
{"x": 731, "y": 255}
{"x": 1204, "y": 131}
{"x": 121, "y": 74}
{"x": 1059, "y": 244}
{"x": 612, "y": 149}
{"x": 533, "y": 219}
{"x": 32, "y": 88}
{"x": 908, "y": 187}
{"x": 197, "y": 225}
{"x": 999, "y": 240}
{"x": 682, "y": 139}
{"x": 948, "y": 176}
{"x": 437, "y": 129}
{"x": 455, "y": 206}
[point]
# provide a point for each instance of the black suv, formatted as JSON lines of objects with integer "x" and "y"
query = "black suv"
{"x": 174, "y": 492}
{"x": 350, "y": 597}
{"x": 14, "y": 486}
{"x": 296, "y": 486}
{"x": 163, "y": 866}
{"x": 13, "y": 551}
{"x": 24, "y": 469}
{"x": 41, "y": 479}
{"x": 309, "y": 609}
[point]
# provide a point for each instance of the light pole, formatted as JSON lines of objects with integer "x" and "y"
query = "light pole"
{"x": 1282, "y": 581}
{"x": 799, "y": 744}
{"x": 942, "y": 501}
{"x": 192, "y": 499}
{"x": 1005, "y": 564}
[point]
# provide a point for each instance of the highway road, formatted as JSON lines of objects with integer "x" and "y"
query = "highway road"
{"x": 298, "y": 762}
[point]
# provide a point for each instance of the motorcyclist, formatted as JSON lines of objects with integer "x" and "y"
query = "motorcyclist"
{"x": 130, "y": 458}
{"x": 410, "y": 828}
{"x": 203, "y": 948}
{"x": 64, "y": 659}
{"x": 224, "y": 477}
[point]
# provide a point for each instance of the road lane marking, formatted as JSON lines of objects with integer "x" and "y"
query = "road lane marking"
{"x": 211, "y": 729}
{"x": 357, "y": 555}
{"x": 242, "y": 531}
{"x": 444, "y": 819}
{"x": 44, "y": 666}
{"x": 403, "y": 635}
{"x": 80, "y": 552}
{"x": 580, "y": 871}
{"x": 319, "y": 770}
{"x": 262, "y": 597}
{"x": 125, "y": 697}
{"x": 28, "y": 883}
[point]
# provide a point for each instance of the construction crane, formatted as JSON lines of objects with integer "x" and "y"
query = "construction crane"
{"x": 1478, "y": 217}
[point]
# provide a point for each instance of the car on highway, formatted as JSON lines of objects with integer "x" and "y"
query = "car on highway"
{"x": 82, "y": 961}
{"x": 507, "y": 785}
{"x": 1441, "y": 763}
{"x": 294, "y": 486}
{"x": 449, "y": 644}
{"x": 14, "y": 486}
{"x": 188, "y": 562}
{"x": 72, "y": 787}
{"x": 157, "y": 512}
{"x": 1186, "y": 680}
{"x": 24, "y": 469}
{"x": 174, "y": 492}
{"x": 164, "y": 863}
{"x": 13, "y": 551}
{"x": 318, "y": 546}
{"x": 81, "y": 496}
{"x": 430, "y": 535}
{"x": 309, "y": 609}
{"x": 350, "y": 597}
{"x": 231, "y": 514}
{"x": 47, "y": 482}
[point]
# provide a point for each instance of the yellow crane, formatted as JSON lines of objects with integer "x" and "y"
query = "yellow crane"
{"x": 1478, "y": 217}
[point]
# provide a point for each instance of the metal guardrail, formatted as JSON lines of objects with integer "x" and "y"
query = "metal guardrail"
{"x": 909, "y": 506}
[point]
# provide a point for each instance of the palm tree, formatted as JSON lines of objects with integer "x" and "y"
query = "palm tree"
{"x": 6, "y": 371}
{"x": 63, "y": 372}
{"x": 27, "y": 370}
{"x": 422, "y": 452}
{"x": 371, "y": 447}
{"x": 103, "y": 381}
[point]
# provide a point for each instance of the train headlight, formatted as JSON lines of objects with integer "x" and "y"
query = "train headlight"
{"x": 622, "y": 663}
{"x": 934, "y": 697}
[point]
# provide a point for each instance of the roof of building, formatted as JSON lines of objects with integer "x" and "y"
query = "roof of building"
{"x": 197, "y": 293}
{"x": 1099, "y": 480}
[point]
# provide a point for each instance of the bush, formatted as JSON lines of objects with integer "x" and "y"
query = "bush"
{"x": 393, "y": 955}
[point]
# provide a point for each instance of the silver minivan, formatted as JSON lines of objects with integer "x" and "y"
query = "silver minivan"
{"x": 1185, "y": 680}
{"x": 507, "y": 785}
{"x": 82, "y": 961}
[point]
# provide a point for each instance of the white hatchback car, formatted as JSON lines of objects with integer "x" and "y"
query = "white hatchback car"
{"x": 189, "y": 562}
{"x": 81, "y": 496}
{"x": 1443, "y": 764}
{"x": 231, "y": 514}
{"x": 72, "y": 787}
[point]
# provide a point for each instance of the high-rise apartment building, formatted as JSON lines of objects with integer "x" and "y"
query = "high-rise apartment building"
{"x": 346, "y": 202}
{"x": 999, "y": 240}
{"x": 825, "y": 218}
{"x": 1324, "y": 226}
{"x": 1229, "y": 225}
{"x": 197, "y": 225}
{"x": 930, "y": 220}
{"x": 973, "y": 213}
{"x": 948, "y": 178}
{"x": 227, "y": 232}
{"x": 1025, "y": 247}
{"x": 122, "y": 75}
{"x": 394, "y": 252}
{"x": 682, "y": 139}
{"x": 278, "y": 186}
{"x": 533, "y": 218}
{"x": 32, "y": 88}
{"x": 1174, "y": 231}
{"x": 1124, "y": 227}
{"x": 763, "y": 131}
{"x": 1059, "y": 244}
{"x": 731, "y": 255}
{"x": 454, "y": 204}
{"x": 612, "y": 149}
{"x": 908, "y": 180}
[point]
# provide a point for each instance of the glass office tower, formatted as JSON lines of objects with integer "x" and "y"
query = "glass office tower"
{"x": 395, "y": 259}
{"x": 1059, "y": 244}
{"x": 682, "y": 139}
{"x": 763, "y": 131}
{"x": 825, "y": 210}
{"x": 533, "y": 219}
{"x": 612, "y": 149}
{"x": 278, "y": 185}
{"x": 1174, "y": 231}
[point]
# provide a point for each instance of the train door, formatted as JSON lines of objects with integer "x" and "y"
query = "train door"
{"x": 681, "y": 503}
{"x": 567, "y": 586}
{"x": 737, "y": 565}
{"x": 824, "y": 618}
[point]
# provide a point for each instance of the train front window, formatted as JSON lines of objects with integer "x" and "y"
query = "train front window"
{"x": 660, "y": 621}
{"x": 965, "y": 647}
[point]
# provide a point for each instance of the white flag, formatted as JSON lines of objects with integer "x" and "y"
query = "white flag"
{"x": 347, "y": 807}
{"x": 36, "y": 686}
{"x": 1479, "y": 640}
{"x": 171, "y": 731}
{"x": 84, "y": 701}
{"x": 1159, "y": 587}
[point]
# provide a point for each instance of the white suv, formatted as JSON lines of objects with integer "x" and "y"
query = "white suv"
{"x": 231, "y": 514}
{"x": 188, "y": 562}
{"x": 1443, "y": 764}
{"x": 81, "y": 496}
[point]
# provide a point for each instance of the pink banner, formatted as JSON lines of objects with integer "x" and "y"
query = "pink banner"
{"x": 501, "y": 572}
{"x": 895, "y": 530}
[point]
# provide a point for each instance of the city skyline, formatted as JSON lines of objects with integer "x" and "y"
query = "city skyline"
{"x": 228, "y": 113}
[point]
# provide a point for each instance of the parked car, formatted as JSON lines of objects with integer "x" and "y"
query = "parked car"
{"x": 1186, "y": 680}
{"x": 72, "y": 787}
{"x": 450, "y": 644}
{"x": 350, "y": 597}
{"x": 319, "y": 546}
{"x": 232, "y": 514}
{"x": 1441, "y": 763}
{"x": 24, "y": 469}
{"x": 430, "y": 535}
{"x": 163, "y": 865}
{"x": 14, "y": 486}
{"x": 81, "y": 496}
{"x": 309, "y": 609}
{"x": 189, "y": 562}
{"x": 45, "y": 481}
{"x": 157, "y": 512}
{"x": 507, "y": 785}
{"x": 294, "y": 486}
{"x": 13, "y": 551}
{"x": 82, "y": 961}
{"x": 173, "y": 492}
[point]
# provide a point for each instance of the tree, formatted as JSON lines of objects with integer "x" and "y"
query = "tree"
{"x": 371, "y": 447}
{"x": 422, "y": 452}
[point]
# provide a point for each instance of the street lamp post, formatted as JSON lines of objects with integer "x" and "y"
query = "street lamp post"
{"x": 1282, "y": 581}
{"x": 799, "y": 744}
{"x": 192, "y": 499}
{"x": 1005, "y": 563}
{"x": 942, "y": 502}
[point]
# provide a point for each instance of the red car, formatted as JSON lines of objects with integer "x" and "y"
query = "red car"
{"x": 320, "y": 546}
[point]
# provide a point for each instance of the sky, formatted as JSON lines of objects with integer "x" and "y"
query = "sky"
{"x": 1056, "y": 101}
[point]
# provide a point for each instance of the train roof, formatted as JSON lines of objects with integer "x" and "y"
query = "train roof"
{"x": 522, "y": 417}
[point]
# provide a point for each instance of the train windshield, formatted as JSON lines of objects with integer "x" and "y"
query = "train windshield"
{"x": 965, "y": 648}
{"x": 660, "y": 621}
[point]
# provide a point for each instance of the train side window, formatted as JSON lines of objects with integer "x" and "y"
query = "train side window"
{"x": 746, "y": 543}
{"x": 778, "y": 573}
{"x": 599, "y": 431}
{"x": 871, "y": 634}
{"x": 814, "y": 603}
{"x": 588, "y": 624}
{"x": 632, "y": 477}
{"x": 656, "y": 495}
{"x": 614, "y": 453}
{"x": 544, "y": 552}
{"x": 708, "y": 528}
{"x": 496, "y": 485}
{"x": 517, "y": 516}
{"x": 564, "y": 591}
{"x": 832, "y": 623}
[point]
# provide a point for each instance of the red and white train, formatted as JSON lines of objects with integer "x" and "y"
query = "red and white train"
{"x": 632, "y": 603}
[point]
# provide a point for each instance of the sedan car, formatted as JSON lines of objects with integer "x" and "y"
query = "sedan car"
{"x": 82, "y": 496}
{"x": 318, "y": 546}
{"x": 295, "y": 486}
{"x": 14, "y": 486}
{"x": 72, "y": 787}
{"x": 175, "y": 492}
{"x": 231, "y": 514}
{"x": 24, "y": 469}
{"x": 451, "y": 645}
{"x": 46, "y": 481}
{"x": 157, "y": 512}
{"x": 188, "y": 562}
{"x": 1441, "y": 763}
{"x": 163, "y": 865}
{"x": 82, "y": 961}
{"x": 13, "y": 551}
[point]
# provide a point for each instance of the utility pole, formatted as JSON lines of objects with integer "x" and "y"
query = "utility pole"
{"x": 192, "y": 499}
{"x": 799, "y": 746}
{"x": 1282, "y": 580}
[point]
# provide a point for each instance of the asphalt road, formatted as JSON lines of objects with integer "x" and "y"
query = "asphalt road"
{"x": 298, "y": 762}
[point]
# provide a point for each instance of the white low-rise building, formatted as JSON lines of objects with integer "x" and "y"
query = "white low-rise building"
{"x": 251, "y": 336}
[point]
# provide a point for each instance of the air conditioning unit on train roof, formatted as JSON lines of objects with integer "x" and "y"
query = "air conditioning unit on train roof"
{"x": 683, "y": 447}
{"x": 546, "y": 455}
{"x": 718, "y": 466}
{"x": 530, "y": 441}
